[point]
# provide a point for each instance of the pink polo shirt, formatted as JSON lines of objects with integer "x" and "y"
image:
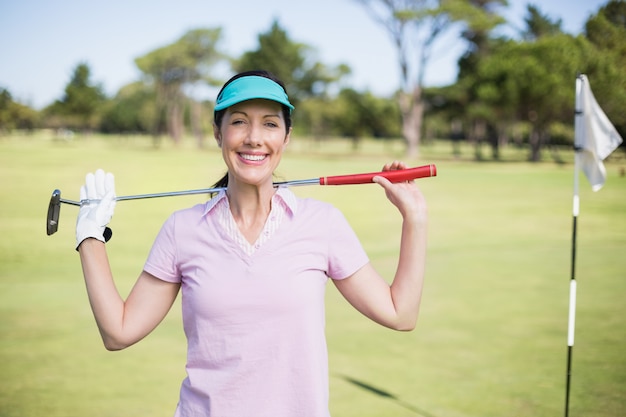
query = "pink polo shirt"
{"x": 254, "y": 319}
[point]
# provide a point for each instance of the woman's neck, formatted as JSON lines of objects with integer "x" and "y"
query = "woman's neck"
{"x": 250, "y": 206}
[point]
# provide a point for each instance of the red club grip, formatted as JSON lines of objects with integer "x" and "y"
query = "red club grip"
{"x": 393, "y": 176}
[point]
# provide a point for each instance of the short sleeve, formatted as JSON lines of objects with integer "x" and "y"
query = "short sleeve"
{"x": 345, "y": 252}
{"x": 161, "y": 260}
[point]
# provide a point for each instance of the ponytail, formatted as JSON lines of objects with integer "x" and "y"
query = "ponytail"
{"x": 222, "y": 182}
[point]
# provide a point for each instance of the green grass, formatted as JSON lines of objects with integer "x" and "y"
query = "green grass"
{"x": 491, "y": 338}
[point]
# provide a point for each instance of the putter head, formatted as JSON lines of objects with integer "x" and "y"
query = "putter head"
{"x": 54, "y": 210}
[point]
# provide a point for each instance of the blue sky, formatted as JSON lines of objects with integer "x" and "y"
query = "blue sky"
{"x": 42, "y": 41}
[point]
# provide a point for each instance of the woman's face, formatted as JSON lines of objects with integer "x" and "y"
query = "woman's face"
{"x": 252, "y": 136}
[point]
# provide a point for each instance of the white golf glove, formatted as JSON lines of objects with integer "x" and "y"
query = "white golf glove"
{"x": 93, "y": 217}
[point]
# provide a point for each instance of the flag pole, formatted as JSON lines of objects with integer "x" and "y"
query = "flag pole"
{"x": 572, "y": 288}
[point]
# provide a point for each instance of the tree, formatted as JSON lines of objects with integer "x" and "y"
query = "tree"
{"x": 294, "y": 63}
{"x": 607, "y": 32}
{"x": 414, "y": 26}
{"x": 536, "y": 80}
{"x": 14, "y": 115}
{"x": 607, "y": 29}
{"x": 172, "y": 68}
{"x": 131, "y": 110}
{"x": 472, "y": 117}
{"x": 78, "y": 109}
{"x": 539, "y": 25}
{"x": 358, "y": 115}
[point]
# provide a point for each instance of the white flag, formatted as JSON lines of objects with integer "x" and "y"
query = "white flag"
{"x": 594, "y": 137}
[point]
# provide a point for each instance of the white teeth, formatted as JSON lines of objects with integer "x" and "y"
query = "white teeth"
{"x": 252, "y": 157}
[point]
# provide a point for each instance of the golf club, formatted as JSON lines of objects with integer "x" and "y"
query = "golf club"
{"x": 54, "y": 208}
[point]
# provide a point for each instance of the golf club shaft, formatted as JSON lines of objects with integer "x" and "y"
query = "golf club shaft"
{"x": 352, "y": 179}
{"x": 180, "y": 193}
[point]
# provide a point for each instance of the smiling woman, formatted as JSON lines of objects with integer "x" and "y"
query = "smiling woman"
{"x": 252, "y": 127}
{"x": 252, "y": 264}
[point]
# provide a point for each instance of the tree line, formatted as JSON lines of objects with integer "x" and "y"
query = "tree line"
{"x": 509, "y": 89}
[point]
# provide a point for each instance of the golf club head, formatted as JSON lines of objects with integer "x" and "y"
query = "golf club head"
{"x": 54, "y": 210}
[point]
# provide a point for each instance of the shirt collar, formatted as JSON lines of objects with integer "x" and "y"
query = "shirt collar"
{"x": 289, "y": 199}
{"x": 283, "y": 193}
{"x": 210, "y": 205}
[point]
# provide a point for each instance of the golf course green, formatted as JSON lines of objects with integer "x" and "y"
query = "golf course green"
{"x": 491, "y": 339}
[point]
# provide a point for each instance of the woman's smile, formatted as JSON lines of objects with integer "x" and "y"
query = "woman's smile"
{"x": 253, "y": 157}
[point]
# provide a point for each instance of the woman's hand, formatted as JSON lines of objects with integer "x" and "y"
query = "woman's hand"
{"x": 93, "y": 217}
{"x": 405, "y": 195}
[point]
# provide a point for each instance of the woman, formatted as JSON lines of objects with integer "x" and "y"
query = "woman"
{"x": 252, "y": 263}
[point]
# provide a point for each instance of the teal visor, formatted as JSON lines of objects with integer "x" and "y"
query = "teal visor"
{"x": 251, "y": 87}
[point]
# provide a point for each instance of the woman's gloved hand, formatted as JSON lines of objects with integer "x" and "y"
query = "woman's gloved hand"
{"x": 93, "y": 216}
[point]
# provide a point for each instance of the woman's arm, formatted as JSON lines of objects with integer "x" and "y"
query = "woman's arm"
{"x": 397, "y": 305}
{"x": 123, "y": 323}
